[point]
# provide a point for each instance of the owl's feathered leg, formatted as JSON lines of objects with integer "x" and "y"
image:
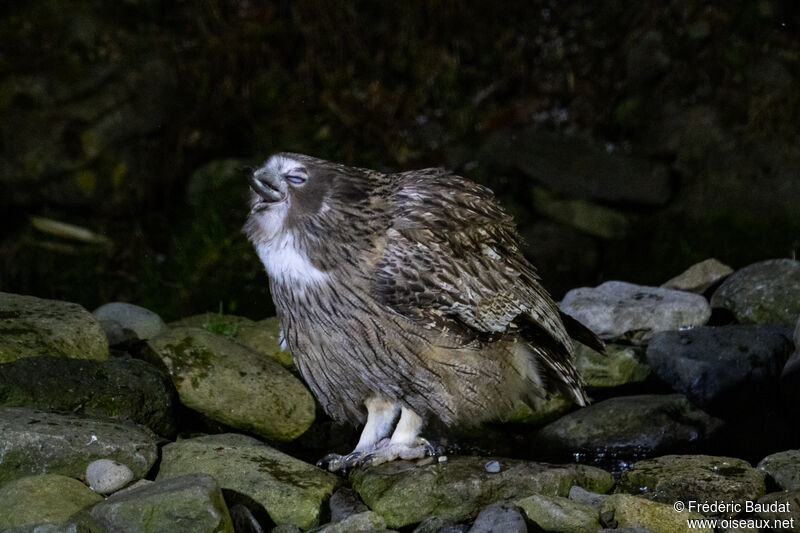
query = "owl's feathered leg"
{"x": 381, "y": 415}
{"x": 405, "y": 442}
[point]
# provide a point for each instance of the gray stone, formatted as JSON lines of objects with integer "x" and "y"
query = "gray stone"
{"x": 186, "y": 504}
{"x": 364, "y": 522}
{"x": 263, "y": 336}
{"x": 243, "y": 519}
{"x": 36, "y": 442}
{"x": 31, "y": 327}
{"x": 289, "y": 490}
{"x": 40, "y": 499}
{"x": 404, "y": 493}
{"x": 106, "y": 476}
{"x": 621, "y": 365}
{"x": 554, "y": 513}
{"x": 233, "y": 384}
{"x": 345, "y": 502}
{"x": 699, "y": 478}
{"x": 783, "y": 468}
{"x": 119, "y": 387}
{"x": 620, "y": 310}
{"x": 726, "y": 369}
{"x": 626, "y": 511}
{"x": 783, "y": 507}
{"x": 124, "y": 322}
{"x": 581, "y": 495}
{"x": 500, "y": 517}
{"x": 762, "y": 293}
{"x": 700, "y": 277}
{"x": 614, "y": 431}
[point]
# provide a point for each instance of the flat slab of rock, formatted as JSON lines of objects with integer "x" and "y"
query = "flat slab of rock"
{"x": 620, "y": 365}
{"x": 185, "y": 504}
{"x": 722, "y": 369}
{"x": 620, "y": 310}
{"x": 762, "y": 293}
{"x": 626, "y": 511}
{"x": 555, "y": 513}
{"x": 233, "y": 384}
{"x": 783, "y": 468}
{"x": 119, "y": 387}
{"x": 263, "y": 336}
{"x": 698, "y": 478}
{"x": 289, "y": 490}
{"x": 37, "y": 442}
{"x": 404, "y": 493}
{"x": 700, "y": 277}
{"x": 39, "y": 499}
{"x": 124, "y": 322}
{"x": 31, "y": 327}
{"x": 628, "y": 427}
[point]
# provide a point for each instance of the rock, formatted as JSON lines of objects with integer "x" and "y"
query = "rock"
{"x": 620, "y": 310}
{"x": 700, "y": 277}
{"x": 31, "y": 327}
{"x": 783, "y": 468}
{"x": 404, "y": 493}
{"x": 620, "y": 365}
{"x": 344, "y": 503}
{"x": 581, "y": 495}
{"x": 119, "y": 387}
{"x": 243, "y": 519}
{"x": 697, "y": 478}
{"x": 624, "y": 510}
{"x": 34, "y": 442}
{"x": 435, "y": 524}
{"x": 263, "y": 336}
{"x": 364, "y": 522}
{"x": 500, "y": 517}
{"x": 725, "y": 369}
{"x": 125, "y": 322}
{"x": 554, "y": 513}
{"x": 191, "y": 503}
{"x": 783, "y": 507}
{"x": 585, "y": 216}
{"x": 544, "y": 411}
{"x": 75, "y": 524}
{"x": 618, "y": 430}
{"x": 762, "y": 293}
{"x": 233, "y": 384}
{"x": 41, "y": 499}
{"x": 289, "y": 490}
{"x": 106, "y": 476}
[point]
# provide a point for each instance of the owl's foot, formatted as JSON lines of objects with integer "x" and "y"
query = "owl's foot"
{"x": 333, "y": 462}
{"x": 389, "y": 451}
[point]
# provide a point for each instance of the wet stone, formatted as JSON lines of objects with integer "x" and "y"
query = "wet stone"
{"x": 783, "y": 468}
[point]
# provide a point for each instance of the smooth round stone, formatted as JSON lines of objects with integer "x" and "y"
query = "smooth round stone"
{"x": 492, "y": 467}
{"x": 106, "y": 476}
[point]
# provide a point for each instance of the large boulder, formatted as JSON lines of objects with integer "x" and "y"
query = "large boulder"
{"x": 119, "y": 387}
{"x": 762, "y": 293}
{"x": 783, "y": 468}
{"x": 233, "y": 384}
{"x": 621, "y": 310}
{"x": 405, "y": 493}
{"x": 43, "y": 499}
{"x": 37, "y": 442}
{"x": 31, "y": 327}
{"x": 623, "y": 511}
{"x": 287, "y": 489}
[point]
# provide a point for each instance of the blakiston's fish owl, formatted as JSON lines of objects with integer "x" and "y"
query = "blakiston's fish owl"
{"x": 405, "y": 294}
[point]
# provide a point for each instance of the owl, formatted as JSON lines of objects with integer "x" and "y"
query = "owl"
{"x": 404, "y": 297}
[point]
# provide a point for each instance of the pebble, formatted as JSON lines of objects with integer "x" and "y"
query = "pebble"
{"x": 106, "y": 476}
{"x": 492, "y": 467}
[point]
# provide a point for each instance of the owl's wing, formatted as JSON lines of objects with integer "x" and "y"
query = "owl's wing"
{"x": 452, "y": 262}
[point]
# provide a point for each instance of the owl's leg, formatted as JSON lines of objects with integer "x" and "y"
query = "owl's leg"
{"x": 405, "y": 442}
{"x": 381, "y": 414}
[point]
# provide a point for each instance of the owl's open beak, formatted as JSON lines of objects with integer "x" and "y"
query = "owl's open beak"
{"x": 267, "y": 186}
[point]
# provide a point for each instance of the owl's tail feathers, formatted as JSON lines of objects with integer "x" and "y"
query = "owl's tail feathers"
{"x": 582, "y": 334}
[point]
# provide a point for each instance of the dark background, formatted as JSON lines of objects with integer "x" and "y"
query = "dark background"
{"x": 629, "y": 139}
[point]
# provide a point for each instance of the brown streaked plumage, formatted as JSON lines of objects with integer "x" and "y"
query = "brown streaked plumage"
{"x": 406, "y": 294}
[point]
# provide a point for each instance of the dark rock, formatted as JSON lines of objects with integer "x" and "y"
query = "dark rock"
{"x": 762, "y": 293}
{"x": 620, "y": 310}
{"x": 616, "y": 431}
{"x": 243, "y": 520}
{"x": 345, "y": 502}
{"x": 782, "y": 506}
{"x": 698, "y": 478}
{"x": 364, "y": 522}
{"x": 499, "y": 517}
{"x": 404, "y": 493}
{"x": 726, "y": 370}
{"x": 120, "y": 387}
{"x": 783, "y": 468}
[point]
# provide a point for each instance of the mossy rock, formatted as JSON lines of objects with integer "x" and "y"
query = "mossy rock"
{"x": 42, "y": 499}
{"x": 624, "y": 510}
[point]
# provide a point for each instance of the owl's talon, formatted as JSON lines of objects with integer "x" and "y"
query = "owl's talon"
{"x": 419, "y": 449}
